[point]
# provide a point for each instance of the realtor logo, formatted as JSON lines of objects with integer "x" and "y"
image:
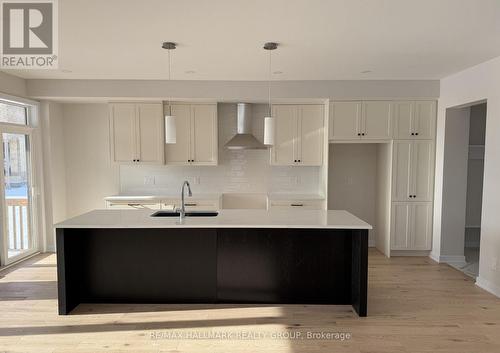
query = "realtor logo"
{"x": 29, "y": 34}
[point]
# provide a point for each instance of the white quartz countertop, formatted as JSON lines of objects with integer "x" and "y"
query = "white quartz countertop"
{"x": 319, "y": 219}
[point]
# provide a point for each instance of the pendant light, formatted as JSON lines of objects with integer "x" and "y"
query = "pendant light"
{"x": 170, "y": 126}
{"x": 269, "y": 122}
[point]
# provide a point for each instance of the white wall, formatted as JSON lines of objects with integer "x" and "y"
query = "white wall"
{"x": 54, "y": 168}
{"x": 352, "y": 181}
{"x": 221, "y": 91}
{"x": 454, "y": 187}
{"x": 472, "y": 85}
{"x": 246, "y": 171}
{"x": 90, "y": 175}
{"x": 12, "y": 85}
{"x": 475, "y": 174}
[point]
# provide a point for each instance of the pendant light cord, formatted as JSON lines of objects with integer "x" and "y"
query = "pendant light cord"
{"x": 169, "y": 68}
{"x": 269, "y": 84}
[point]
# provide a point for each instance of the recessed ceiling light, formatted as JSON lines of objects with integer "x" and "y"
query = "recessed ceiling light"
{"x": 190, "y": 72}
{"x": 366, "y": 71}
{"x": 277, "y": 72}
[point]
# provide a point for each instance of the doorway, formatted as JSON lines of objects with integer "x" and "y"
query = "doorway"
{"x": 463, "y": 186}
{"x": 18, "y": 236}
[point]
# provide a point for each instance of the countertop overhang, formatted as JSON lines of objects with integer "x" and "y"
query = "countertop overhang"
{"x": 308, "y": 219}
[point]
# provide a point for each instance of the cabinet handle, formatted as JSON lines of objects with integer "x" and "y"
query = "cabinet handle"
{"x": 363, "y": 134}
{"x": 416, "y": 133}
{"x": 295, "y": 161}
{"x": 413, "y": 134}
{"x": 297, "y": 204}
{"x": 190, "y": 204}
{"x": 359, "y": 134}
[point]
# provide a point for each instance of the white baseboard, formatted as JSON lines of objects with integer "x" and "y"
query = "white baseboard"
{"x": 434, "y": 256}
{"x": 457, "y": 260}
{"x": 488, "y": 286}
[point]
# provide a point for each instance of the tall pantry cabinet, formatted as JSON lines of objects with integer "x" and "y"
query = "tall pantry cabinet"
{"x": 412, "y": 175}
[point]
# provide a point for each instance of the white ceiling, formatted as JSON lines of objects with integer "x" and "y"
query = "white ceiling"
{"x": 319, "y": 40}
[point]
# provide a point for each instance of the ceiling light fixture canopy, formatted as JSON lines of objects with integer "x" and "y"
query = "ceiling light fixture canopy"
{"x": 170, "y": 126}
{"x": 269, "y": 121}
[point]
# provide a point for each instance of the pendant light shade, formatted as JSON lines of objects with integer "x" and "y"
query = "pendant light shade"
{"x": 269, "y": 126}
{"x": 170, "y": 129}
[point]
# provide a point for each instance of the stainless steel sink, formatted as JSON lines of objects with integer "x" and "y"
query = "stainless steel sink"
{"x": 188, "y": 214}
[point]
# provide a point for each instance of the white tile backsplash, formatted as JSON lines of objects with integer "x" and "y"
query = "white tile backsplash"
{"x": 238, "y": 171}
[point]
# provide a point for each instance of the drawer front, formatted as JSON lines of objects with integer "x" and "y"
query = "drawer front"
{"x": 296, "y": 204}
{"x": 190, "y": 204}
{"x": 132, "y": 205}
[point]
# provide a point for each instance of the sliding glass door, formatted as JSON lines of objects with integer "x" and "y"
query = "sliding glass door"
{"x": 17, "y": 237}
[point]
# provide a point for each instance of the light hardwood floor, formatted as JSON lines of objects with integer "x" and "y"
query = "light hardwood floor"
{"x": 415, "y": 305}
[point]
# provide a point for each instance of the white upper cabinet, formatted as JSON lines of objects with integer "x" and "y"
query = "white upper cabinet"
{"x": 411, "y": 226}
{"x": 423, "y": 170}
{"x": 179, "y": 152}
{"x": 412, "y": 170}
{"x": 196, "y": 135}
{"x": 149, "y": 130}
{"x": 122, "y": 128}
{"x": 311, "y": 134}
{"x": 377, "y": 117}
{"x": 367, "y": 120}
{"x": 299, "y": 138}
{"x": 136, "y": 132}
{"x": 345, "y": 120}
{"x": 415, "y": 120}
{"x": 284, "y": 151}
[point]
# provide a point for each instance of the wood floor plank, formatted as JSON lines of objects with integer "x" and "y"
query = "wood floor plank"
{"x": 414, "y": 305}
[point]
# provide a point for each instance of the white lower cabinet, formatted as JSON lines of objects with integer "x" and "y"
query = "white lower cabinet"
{"x": 192, "y": 204}
{"x": 411, "y": 226}
{"x": 132, "y": 205}
{"x": 295, "y": 204}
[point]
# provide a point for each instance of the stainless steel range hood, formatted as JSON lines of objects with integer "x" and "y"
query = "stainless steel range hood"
{"x": 244, "y": 139}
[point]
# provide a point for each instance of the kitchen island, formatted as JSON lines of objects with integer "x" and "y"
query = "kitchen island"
{"x": 238, "y": 256}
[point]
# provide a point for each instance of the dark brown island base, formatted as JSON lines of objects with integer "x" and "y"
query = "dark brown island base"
{"x": 273, "y": 257}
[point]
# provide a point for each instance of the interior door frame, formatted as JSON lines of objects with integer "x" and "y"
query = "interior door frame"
{"x": 35, "y": 179}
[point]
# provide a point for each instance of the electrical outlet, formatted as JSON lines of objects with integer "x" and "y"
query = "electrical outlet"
{"x": 149, "y": 180}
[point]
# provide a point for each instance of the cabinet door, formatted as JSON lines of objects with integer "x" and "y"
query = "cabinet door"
{"x": 204, "y": 145}
{"x": 400, "y": 226}
{"x": 149, "y": 130}
{"x": 179, "y": 152}
{"x": 376, "y": 122}
{"x": 401, "y": 170}
{"x": 345, "y": 120}
{"x": 425, "y": 120}
{"x": 123, "y": 137}
{"x": 421, "y": 225}
{"x": 285, "y": 143}
{"x": 310, "y": 142}
{"x": 422, "y": 170}
{"x": 403, "y": 120}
